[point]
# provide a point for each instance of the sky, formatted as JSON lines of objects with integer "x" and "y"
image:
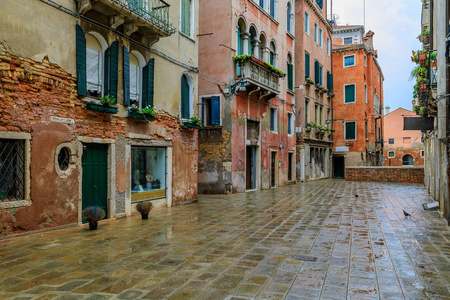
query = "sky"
{"x": 396, "y": 24}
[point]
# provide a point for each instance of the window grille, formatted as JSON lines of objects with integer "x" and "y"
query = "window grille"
{"x": 12, "y": 170}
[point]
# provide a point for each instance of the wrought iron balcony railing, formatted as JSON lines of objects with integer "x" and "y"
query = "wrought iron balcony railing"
{"x": 155, "y": 12}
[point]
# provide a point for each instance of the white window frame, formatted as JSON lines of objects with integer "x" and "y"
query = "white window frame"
{"x": 104, "y": 45}
{"x": 320, "y": 37}
{"x": 328, "y": 46}
{"x": 275, "y": 121}
{"x": 307, "y": 22}
{"x": 389, "y": 152}
{"x": 316, "y": 33}
{"x": 355, "y": 93}
{"x": 291, "y": 120}
{"x": 141, "y": 65}
{"x": 389, "y": 143}
{"x": 26, "y": 137}
{"x": 192, "y": 12}
{"x": 351, "y": 39}
{"x": 356, "y": 130}
{"x": 354, "y": 61}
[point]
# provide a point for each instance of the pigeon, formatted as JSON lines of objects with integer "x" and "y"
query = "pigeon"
{"x": 406, "y": 214}
{"x": 356, "y": 195}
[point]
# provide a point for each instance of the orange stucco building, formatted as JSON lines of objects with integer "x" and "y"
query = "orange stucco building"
{"x": 314, "y": 89}
{"x": 246, "y": 103}
{"x": 357, "y": 106}
{"x": 401, "y": 147}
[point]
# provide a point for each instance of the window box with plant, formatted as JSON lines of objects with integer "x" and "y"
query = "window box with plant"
{"x": 193, "y": 122}
{"x": 309, "y": 81}
{"x": 104, "y": 104}
{"x": 147, "y": 113}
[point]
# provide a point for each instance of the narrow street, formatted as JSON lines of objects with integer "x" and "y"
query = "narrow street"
{"x": 305, "y": 241}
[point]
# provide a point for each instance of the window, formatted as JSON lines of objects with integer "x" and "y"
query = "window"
{"x": 391, "y": 141}
{"x": 12, "y": 170}
{"x": 273, "y": 54}
{"x": 290, "y": 121}
{"x": 328, "y": 46}
{"x": 211, "y": 111}
{"x": 407, "y": 140}
{"x": 186, "y": 97}
{"x": 349, "y": 60}
{"x": 349, "y": 93}
{"x": 367, "y": 130}
{"x": 290, "y": 165}
{"x": 318, "y": 72}
{"x": 347, "y": 40}
{"x": 316, "y": 114}
{"x": 306, "y": 111}
{"x": 94, "y": 65}
{"x": 186, "y": 12}
{"x": 328, "y": 116}
{"x": 329, "y": 81}
{"x": 365, "y": 93}
{"x": 319, "y": 3}
{"x": 320, "y": 37}
{"x": 289, "y": 17}
{"x": 307, "y": 66}
{"x": 316, "y": 33}
{"x": 290, "y": 73}
{"x": 391, "y": 154}
{"x": 365, "y": 60}
{"x": 135, "y": 77}
{"x": 138, "y": 79}
{"x": 273, "y": 9}
{"x": 321, "y": 115}
{"x": 422, "y": 153}
{"x": 306, "y": 22}
{"x": 148, "y": 173}
{"x": 273, "y": 119}
{"x": 408, "y": 160}
{"x": 350, "y": 131}
{"x": 261, "y": 3}
{"x": 421, "y": 139}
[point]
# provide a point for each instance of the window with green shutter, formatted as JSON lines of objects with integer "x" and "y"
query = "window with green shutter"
{"x": 148, "y": 83}
{"x": 81, "y": 61}
{"x": 307, "y": 73}
{"x": 185, "y": 97}
{"x": 349, "y": 93}
{"x": 186, "y": 17}
{"x": 290, "y": 75}
{"x": 350, "y": 130}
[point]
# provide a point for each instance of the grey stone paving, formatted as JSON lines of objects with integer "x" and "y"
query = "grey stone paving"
{"x": 312, "y": 240}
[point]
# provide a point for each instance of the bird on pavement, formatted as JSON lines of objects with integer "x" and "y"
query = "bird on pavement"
{"x": 406, "y": 214}
{"x": 356, "y": 195}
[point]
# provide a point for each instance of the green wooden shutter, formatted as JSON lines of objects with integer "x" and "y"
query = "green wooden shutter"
{"x": 239, "y": 38}
{"x": 215, "y": 110}
{"x": 114, "y": 69}
{"x": 186, "y": 17}
{"x": 81, "y": 61}
{"x": 307, "y": 73}
{"x": 126, "y": 76}
{"x": 184, "y": 98}
{"x": 328, "y": 80}
{"x": 183, "y": 9}
{"x": 106, "y": 71}
{"x": 290, "y": 69}
{"x": 331, "y": 82}
{"x": 350, "y": 130}
{"x": 148, "y": 81}
{"x": 320, "y": 75}
{"x": 349, "y": 93}
{"x": 250, "y": 45}
{"x": 316, "y": 72}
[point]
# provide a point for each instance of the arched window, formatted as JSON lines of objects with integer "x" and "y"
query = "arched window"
{"x": 186, "y": 97}
{"x": 408, "y": 160}
{"x": 253, "y": 43}
{"x": 135, "y": 80}
{"x": 262, "y": 48}
{"x": 273, "y": 54}
{"x": 94, "y": 66}
{"x": 289, "y": 17}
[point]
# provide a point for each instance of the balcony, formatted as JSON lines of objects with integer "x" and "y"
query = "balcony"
{"x": 258, "y": 75}
{"x": 148, "y": 17}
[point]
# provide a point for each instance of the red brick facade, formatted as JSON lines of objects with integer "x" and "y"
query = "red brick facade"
{"x": 386, "y": 174}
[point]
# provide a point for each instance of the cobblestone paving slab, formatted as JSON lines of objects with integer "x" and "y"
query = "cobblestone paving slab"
{"x": 313, "y": 240}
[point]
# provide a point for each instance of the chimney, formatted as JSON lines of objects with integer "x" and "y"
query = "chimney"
{"x": 388, "y": 110}
{"x": 413, "y": 104}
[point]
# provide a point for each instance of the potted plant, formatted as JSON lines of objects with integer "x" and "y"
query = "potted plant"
{"x": 318, "y": 87}
{"x": 426, "y": 37}
{"x": 93, "y": 214}
{"x": 105, "y": 105}
{"x": 193, "y": 122}
{"x": 423, "y": 85}
{"x": 309, "y": 81}
{"x": 324, "y": 90}
{"x": 147, "y": 113}
{"x": 422, "y": 57}
{"x": 144, "y": 208}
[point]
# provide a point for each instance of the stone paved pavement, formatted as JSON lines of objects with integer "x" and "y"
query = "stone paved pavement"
{"x": 305, "y": 241}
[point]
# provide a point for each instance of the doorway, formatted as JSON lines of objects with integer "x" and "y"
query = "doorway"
{"x": 273, "y": 169}
{"x": 338, "y": 167}
{"x": 250, "y": 168}
{"x": 290, "y": 165}
{"x": 95, "y": 176}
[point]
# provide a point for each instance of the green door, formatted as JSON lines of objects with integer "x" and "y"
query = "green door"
{"x": 94, "y": 163}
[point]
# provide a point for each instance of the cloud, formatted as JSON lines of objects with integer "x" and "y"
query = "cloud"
{"x": 396, "y": 24}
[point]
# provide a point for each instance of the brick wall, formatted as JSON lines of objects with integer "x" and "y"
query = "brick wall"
{"x": 388, "y": 174}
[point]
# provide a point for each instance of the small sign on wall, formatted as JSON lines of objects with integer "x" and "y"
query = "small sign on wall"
{"x": 62, "y": 120}
{"x": 341, "y": 149}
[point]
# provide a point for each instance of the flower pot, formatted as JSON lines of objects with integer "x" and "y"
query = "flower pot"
{"x": 144, "y": 216}
{"x": 102, "y": 108}
{"x": 422, "y": 60}
{"x": 139, "y": 116}
{"x": 93, "y": 225}
{"x": 426, "y": 39}
{"x": 422, "y": 87}
{"x": 190, "y": 125}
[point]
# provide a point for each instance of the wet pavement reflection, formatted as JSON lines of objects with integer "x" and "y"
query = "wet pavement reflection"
{"x": 313, "y": 240}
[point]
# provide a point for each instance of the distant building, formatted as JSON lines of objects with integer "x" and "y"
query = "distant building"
{"x": 401, "y": 147}
{"x": 246, "y": 95}
{"x": 357, "y": 106}
{"x": 314, "y": 89}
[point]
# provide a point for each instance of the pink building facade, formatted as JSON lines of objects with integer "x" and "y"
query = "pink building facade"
{"x": 401, "y": 147}
{"x": 246, "y": 63}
